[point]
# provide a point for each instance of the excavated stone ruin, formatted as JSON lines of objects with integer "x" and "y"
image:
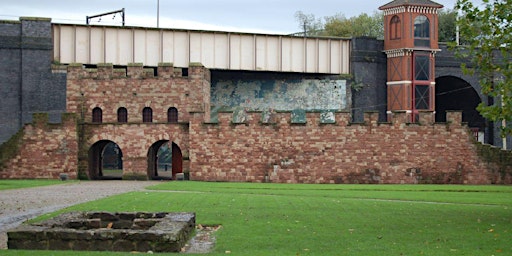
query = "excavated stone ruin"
{"x": 105, "y": 231}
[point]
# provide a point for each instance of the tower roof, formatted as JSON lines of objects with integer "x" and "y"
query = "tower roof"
{"x": 397, "y": 3}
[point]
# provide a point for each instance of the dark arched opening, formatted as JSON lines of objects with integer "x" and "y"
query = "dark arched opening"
{"x": 122, "y": 115}
{"x": 453, "y": 93}
{"x": 147, "y": 115}
{"x": 165, "y": 160}
{"x": 172, "y": 115}
{"x": 105, "y": 161}
{"x": 97, "y": 115}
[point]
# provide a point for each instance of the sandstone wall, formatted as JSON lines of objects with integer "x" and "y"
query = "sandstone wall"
{"x": 135, "y": 140}
{"x": 44, "y": 151}
{"x": 135, "y": 88}
{"x": 340, "y": 152}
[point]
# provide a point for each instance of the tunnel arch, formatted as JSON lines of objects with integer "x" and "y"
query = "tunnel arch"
{"x": 105, "y": 160}
{"x": 454, "y": 93}
{"x": 165, "y": 160}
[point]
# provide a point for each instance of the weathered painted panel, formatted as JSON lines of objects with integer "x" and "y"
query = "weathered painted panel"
{"x": 281, "y": 93}
{"x": 213, "y": 49}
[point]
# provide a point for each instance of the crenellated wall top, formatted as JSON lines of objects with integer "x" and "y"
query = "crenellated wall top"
{"x": 339, "y": 118}
{"x": 136, "y": 71}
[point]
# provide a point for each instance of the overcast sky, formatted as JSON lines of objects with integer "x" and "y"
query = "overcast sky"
{"x": 258, "y": 16}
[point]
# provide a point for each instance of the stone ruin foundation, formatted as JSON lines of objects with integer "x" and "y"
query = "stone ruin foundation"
{"x": 104, "y": 231}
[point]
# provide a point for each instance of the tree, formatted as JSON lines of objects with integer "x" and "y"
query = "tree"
{"x": 447, "y": 25}
{"x": 487, "y": 34}
{"x": 338, "y": 25}
{"x": 310, "y": 25}
{"x": 366, "y": 25}
{"x": 341, "y": 26}
{"x": 362, "y": 25}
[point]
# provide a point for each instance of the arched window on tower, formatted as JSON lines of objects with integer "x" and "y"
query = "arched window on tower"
{"x": 172, "y": 115}
{"x": 122, "y": 115}
{"x": 422, "y": 31}
{"x": 97, "y": 115}
{"x": 395, "y": 31}
{"x": 147, "y": 115}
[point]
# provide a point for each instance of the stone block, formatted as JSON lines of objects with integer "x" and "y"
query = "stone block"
{"x": 240, "y": 116}
{"x": 267, "y": 116}
{"x": 298, "y": 116}
{"x": 159, "y": 232}
{"x": 327, "y": 117}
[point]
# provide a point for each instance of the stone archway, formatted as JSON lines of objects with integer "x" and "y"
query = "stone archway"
{"x": 105, "y": 160}
{"x": 453, "y": 93}
{"x": 165, "y": 160}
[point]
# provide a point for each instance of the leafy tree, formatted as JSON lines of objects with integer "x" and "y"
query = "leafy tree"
{"x": 447, "y": 25}
{"x": 341, "y": 26}
{"x": 362, "y": 25}
{"x": 338, "y": 25}
{"x": 366, "y": 25}
{"x": 487, "y": 33}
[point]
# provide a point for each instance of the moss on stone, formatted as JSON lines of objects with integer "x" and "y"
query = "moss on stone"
{"x": 9, "y": 22}
{"x": 195, "y": 64}
{"x": 105, "y": 65}
{"x": 36, "y": 19}
{"x": 40, "y": 118}
{"x": 494, "y": 155}
{"x": 10, "y": 148}
{"x": 166, "y": 64}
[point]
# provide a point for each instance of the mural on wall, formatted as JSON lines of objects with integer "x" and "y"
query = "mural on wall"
{"x": 280, "y": 95}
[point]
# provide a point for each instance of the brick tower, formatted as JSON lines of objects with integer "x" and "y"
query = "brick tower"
{"x": 410, "y": 43}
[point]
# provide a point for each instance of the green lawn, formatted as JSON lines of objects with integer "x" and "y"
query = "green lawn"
{"x": 286, "y": 219}
{"x": 14, "y": 184}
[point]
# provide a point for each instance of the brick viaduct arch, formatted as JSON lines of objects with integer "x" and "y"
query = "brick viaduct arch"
{"x": 458, "y": 91}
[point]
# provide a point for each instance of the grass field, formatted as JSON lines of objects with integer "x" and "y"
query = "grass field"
{"x": 14, "y": 184}
{"x": 286, "y": 219}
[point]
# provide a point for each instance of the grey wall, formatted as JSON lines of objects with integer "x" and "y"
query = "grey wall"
{"x": 10, "y": 79}
{"x": 27, "y": 83}
{"x": 368, "y": 67}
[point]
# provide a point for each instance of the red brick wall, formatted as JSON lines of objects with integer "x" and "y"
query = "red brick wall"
{"x": 45, "y": 151}
{"x": 395, "y": 152}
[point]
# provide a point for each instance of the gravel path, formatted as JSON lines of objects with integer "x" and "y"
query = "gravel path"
{"x": 18, "y": 205}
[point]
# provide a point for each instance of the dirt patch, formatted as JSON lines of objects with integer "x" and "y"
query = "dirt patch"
{"x": 203, "y": 241}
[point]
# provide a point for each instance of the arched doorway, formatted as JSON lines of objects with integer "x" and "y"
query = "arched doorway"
{"x": 453, "y": 93}
{"x": 165, "y": 160}
{"x": 105, "y": 161}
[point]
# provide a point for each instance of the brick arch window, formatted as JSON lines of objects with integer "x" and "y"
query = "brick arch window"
{"x": 97, "y": 115}
{"x": 395, "y": 31}
{"x": 147, "y": 115}
{"x": 422, "y": 31}
{"x": 172, "y": 115}
{"x": 122, "y": 115}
